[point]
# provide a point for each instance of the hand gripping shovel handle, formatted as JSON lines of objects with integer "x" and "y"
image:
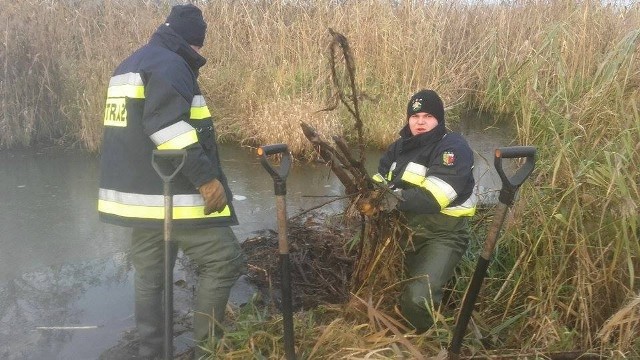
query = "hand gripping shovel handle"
{"x": 509, "y": 189}
{"x": 279, "y": 175}
{"x": 167, "y": 164}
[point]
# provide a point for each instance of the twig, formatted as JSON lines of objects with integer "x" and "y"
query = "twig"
{"x": 319, "y": 206}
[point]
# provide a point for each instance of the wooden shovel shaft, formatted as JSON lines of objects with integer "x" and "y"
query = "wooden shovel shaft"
{"x": 285, "y": 271}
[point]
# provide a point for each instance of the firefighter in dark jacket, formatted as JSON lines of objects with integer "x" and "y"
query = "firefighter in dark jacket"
{"x": 432, "y": 170}
{"x": 154, "y": 102}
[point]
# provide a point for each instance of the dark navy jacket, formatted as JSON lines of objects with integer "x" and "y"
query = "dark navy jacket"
{"x": 154, "y": 102}
{"x": 435, "y": 171}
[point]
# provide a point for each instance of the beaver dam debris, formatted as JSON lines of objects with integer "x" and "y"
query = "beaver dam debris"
{"x": 321, "y": 269}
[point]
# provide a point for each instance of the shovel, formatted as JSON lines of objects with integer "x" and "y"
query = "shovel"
{"x": 508, "y": 192}
{"x": 279, "y": 176}
{"x": 167, "y": 171}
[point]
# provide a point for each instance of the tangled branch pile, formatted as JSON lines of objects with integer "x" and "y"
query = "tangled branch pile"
{"x": 320, "y": 267}
{"x": 327, "y": 267}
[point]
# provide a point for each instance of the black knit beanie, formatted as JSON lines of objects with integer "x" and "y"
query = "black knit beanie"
{"x": 187, "y": 21}
{"x": 426, "y": 101}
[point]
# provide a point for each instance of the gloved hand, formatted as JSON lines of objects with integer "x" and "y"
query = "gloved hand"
{"x": 215, "y": 199}
{"x": 391, "y": 199}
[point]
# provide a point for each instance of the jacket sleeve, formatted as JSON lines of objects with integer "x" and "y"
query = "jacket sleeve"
{"x": 168, "y": 96}
{"x": 384, "y": 164}
{"x": 419, "y": 201}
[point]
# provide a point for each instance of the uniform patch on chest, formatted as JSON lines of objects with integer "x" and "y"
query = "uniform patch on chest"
{"x": 448, "y": 158}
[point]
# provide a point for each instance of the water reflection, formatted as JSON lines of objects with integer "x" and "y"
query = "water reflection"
{"x": 88, "y": 294}
{"x": 59, "y": 266}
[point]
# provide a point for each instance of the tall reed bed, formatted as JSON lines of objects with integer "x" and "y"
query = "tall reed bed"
{"x": 574, "y": 91}
{"x": 56, "y": 59}
{"x": 566, "y": 74}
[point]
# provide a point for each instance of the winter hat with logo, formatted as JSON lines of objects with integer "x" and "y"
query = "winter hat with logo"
{"x": 187, "y": 21}
{"x": 426, "y": 101}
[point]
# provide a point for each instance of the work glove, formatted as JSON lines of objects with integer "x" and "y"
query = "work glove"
{"x": 215, "y": 198}
{"x": 391, "y": 199}
{"x": 380, "y": 199}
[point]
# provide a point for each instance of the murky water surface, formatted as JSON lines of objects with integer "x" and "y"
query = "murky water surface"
{"x": 65, "y": 281}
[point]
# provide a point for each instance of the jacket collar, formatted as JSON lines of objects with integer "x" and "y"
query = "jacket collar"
{"x": 166, "y": 37}
{"x": 410, "y": 142}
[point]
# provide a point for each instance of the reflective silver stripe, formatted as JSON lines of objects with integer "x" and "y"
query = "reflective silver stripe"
{"x": 170, "y": 132}
{"x": 198, "y": 101}
{"x": 467, "y": 208}
{"x": 416, "y": 169}
{"x": 126, "y": 79}
{"x": 414, "y": 174}
{"x": 148, "y": 200}
{"x": 390, "y": 173}
{"x": 441, "y": 190}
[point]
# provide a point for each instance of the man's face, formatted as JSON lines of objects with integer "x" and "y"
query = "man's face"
{"x": 420, "y": 123}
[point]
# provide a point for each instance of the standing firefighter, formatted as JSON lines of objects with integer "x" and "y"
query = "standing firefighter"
{"x": 154, "y": 102}
{"x": 433, "y": 170}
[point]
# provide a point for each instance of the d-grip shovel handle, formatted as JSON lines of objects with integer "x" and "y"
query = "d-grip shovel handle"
{"x": 511, "y": 184}
{"x": 280, "y": 173}
{"x": 169, "y": 155}
{"x": 174, "y": 160}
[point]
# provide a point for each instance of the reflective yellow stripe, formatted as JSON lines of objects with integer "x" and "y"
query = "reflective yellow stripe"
{"x": 457, "y": 211}
{"x": 379, "y": 178}
{"x": 126, "y": 85}
{"x": 412, "y": 178}
{"x": 130, "y": 91}
{"x": 414, "y": 173}
{"x": 438, "y": 193}
{"x": 199, "y": 109}
{"x": 199, "y": 113}
{"x": 170, "y": 132}
{"x": 180, "y": 141}
{"x": 157, "y": 212}
{"x": 468, "y": 208}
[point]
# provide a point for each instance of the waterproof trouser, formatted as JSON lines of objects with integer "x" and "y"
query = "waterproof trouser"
{"x": 436, "y": 247}
{"x": 220, "y": 262}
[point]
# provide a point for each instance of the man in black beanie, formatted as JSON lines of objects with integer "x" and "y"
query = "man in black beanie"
{"x": 154, "y": 102}
{"x": 187, "y": 21}
{"x": 432, "y": 169}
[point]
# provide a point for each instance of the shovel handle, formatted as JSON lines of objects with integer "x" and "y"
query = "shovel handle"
{"x": 169, "y": 155}
{"x": 511, "y": 184}
{"x": 173, "y": 162}
{"x": 279, "y": 173}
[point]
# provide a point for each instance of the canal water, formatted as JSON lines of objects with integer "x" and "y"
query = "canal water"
{"x": 65, "y": 280}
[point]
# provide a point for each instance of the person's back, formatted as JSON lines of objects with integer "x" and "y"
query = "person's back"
{"x": 154, "y": 102}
